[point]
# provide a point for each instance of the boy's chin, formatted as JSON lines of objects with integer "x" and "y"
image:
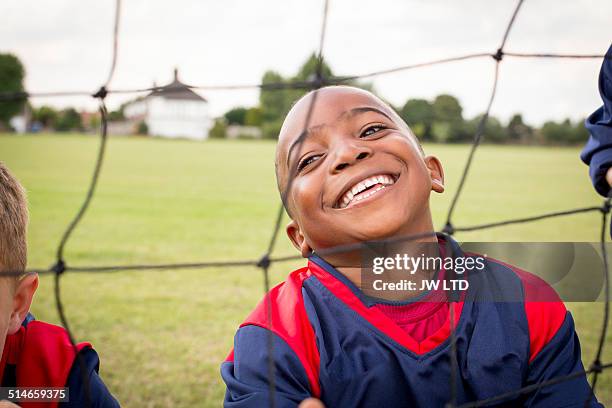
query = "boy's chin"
{"x": 385, "y": 231}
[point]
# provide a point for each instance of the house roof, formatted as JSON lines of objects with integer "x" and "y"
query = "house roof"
{"x": 176, "y": 90}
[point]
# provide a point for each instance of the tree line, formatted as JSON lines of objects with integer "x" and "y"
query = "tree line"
{"x": 12, "y": 75}
{"x": 438, "y": 120}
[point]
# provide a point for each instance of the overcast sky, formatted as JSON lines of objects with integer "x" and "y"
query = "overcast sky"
{"x": 66, "y": 45}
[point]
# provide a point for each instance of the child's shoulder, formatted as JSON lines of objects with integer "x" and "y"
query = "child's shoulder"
{"x": 42, "y": 355}
{"x": 544, "y": 311}
{"x": 48, "y": 337}
{"x": 532, "y": 288}
{"x": 285, "y": 301}
{"x": 43, "y": 351}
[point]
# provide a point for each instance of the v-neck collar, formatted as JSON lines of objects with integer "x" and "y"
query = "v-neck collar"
{"x": 345, "y": 290}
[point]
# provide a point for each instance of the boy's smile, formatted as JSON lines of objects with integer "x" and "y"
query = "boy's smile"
{"x": 364, "y": 189}
{"x": 358, "y": 172}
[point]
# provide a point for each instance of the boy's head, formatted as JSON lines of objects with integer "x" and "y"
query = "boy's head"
{"x": 16, "y": 289}
{"x": 358, "y": 172}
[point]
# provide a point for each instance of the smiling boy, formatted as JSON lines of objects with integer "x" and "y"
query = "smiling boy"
{"x": 359, "y": 175}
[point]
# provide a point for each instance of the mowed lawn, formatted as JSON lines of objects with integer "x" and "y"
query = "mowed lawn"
{"x": 161, "y": 335}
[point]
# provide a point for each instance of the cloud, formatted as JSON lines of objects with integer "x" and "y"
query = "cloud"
{"x": 66, "y": 45}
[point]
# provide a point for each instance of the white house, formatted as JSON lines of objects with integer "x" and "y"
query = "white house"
{"x": 172, "y": 111}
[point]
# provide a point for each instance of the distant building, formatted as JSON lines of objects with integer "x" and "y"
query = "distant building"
{"x": 172, "y": 111}
{"x": 20, "y": 123}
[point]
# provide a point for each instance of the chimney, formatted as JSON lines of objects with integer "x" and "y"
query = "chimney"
{"x": 176, "y": 74}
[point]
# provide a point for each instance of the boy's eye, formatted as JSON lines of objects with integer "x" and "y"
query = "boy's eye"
{"x": 308, "y": 160}
{"x": 370, "y": 130}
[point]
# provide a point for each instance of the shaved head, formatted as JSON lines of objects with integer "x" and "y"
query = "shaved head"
{"x": 304, "y": 120}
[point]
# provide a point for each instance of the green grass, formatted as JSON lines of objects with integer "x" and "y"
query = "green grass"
{"x": 162, "y": 335}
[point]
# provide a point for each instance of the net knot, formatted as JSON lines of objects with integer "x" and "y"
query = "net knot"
{"x": 102, "y": 92}
{"x": 597, "y": 367}
{"x": 499, "y": 55}
{"x": 264, "y": 262}
{"x": 449, "y": 228}
{"x": 59, "y": 267}
{"x": 316, "y": 81}
{"x": 605, "y": 208}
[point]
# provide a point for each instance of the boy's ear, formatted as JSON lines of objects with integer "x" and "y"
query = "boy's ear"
{"x": 24, "y": 293}
{"x": 436, "y": 173}
{"x": 297, "y": 239}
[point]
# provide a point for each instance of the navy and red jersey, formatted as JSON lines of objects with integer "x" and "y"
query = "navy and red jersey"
{"x": 329, "y": 341}
{"x": 41, "y": 355}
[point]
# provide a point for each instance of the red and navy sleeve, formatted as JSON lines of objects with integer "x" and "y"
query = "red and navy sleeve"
{"x": 554, "y": 349}
{"x": 99, "y": 395}
{"x": 287, "y": 339}
{"x": 598, "y": 151}
{"x": 560, "y": 357}
{"x": 247, "y": 376}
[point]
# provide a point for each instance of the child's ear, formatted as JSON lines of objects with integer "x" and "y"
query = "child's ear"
{"x": 297, "y": 239}
{"x": 24, "y": 293}
{"x": 436, "y": 173}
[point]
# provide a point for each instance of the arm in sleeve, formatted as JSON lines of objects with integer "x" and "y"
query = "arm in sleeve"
{"x": 559, "y": 357}
{"x": 246, "y": 374}
{"x": 100, "y": 396}
{"x": 598, "y": 151}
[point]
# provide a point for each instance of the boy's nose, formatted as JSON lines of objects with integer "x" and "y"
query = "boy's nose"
{"x": 347, "y": 154}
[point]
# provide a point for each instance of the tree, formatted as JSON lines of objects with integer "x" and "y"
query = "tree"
{"x": 448, "y": 124}
{"x": 493, "y": 131}
{"x": 95, "y": 122}
{"x": 419, "y": 115}
{"x": 236, "y": 116}
{"x": 12, "y": 74}
{"x": 271, "y": 129}
{"x": 447, "y": 108}
{"x": 273, "y": 102}
{"x": 218, "y": 130}
{"x": 253, "y": 117}
{"x": 518, "y": 131}
{"x": 441, "y": 132}
{"x": 143, "y": 129}
{"x": 69, "y": 119}
{"x": 564, "y": 132}
{"x": 116, "y": 116}
{"x": 581, "y": 134}
{"x": 46, "y": 116}
{"x": 308, "y": 70}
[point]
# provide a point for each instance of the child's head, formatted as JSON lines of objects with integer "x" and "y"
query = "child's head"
{"x": 16, "y": 290}
{"x": 354, "y": 142}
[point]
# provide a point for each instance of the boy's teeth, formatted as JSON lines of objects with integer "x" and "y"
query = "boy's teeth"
{"x": 383, "y": 180}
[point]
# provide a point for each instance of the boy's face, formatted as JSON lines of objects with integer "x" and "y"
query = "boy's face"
{"x": 354, "y": 142}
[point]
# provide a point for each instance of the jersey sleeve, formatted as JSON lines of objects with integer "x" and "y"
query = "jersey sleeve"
{"x": 99, "y": 395}
{"x": 560, "y": 356}
{"x": 246, "y": 372}
{"x": 598, "y": 151}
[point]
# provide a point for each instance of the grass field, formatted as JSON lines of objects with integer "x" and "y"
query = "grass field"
{"x": 162, "y": 335}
